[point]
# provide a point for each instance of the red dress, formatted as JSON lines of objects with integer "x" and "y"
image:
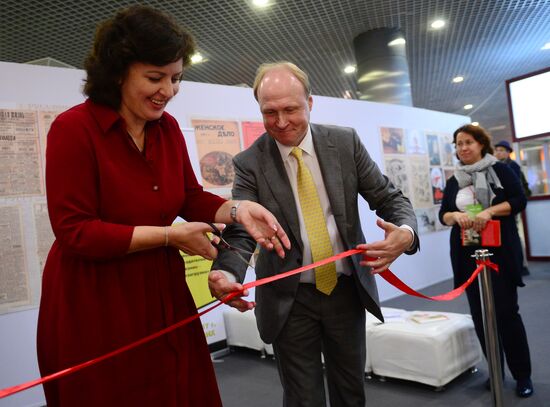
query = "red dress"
{"x": 95, "y": 297}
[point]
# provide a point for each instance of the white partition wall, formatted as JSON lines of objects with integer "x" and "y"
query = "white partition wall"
{"x": 29, "y": 86}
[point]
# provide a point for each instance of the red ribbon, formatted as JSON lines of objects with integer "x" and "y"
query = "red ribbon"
{"x": 387, "y": 275}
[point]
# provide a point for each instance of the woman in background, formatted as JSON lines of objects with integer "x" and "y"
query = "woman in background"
{"x": 117, "y": 176}
{"x": 480, "y": 190}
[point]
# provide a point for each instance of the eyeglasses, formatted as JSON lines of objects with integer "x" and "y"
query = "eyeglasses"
{"x": 224, "y": 245}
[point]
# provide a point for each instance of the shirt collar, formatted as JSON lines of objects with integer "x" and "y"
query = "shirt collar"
{"x": 306, "y": 145}
{"x": 107, "y": 117}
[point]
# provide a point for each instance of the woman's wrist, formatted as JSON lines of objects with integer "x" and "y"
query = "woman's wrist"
{"x": 166, "y": 236}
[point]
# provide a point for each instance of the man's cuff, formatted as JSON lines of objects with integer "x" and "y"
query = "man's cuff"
{"x": 412, "y": 233}
{"x": 230, "y": 276}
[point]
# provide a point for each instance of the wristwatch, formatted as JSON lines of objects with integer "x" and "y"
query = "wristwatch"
{"x": 233, "y": 212}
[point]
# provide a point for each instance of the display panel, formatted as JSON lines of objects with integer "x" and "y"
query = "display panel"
{"x": 528, "y": 99}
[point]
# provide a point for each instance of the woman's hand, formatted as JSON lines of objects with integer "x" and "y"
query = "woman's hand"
{"x": 481, "y": 219}
{"x": 191, "y": 238}
{"x": 263, "y": 227}
{"x": 463, "y": 220}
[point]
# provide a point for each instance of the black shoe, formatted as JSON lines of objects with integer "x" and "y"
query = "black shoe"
{"x": 524, "y": 388}
{"x": 525, "y": 271}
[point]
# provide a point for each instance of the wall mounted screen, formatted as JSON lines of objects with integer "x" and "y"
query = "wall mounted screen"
{"x": 528, "y": 99}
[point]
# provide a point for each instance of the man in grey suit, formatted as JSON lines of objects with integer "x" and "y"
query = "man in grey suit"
{"x": 300, "y": 320}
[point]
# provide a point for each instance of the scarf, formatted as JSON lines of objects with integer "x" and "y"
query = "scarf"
{"x": 481, "y": 175}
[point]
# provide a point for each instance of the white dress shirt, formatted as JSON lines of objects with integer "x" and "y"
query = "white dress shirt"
{"x": 291, "y": 167}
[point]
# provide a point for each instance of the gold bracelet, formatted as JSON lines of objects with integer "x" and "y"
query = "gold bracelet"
{"x": 165, "y": 236}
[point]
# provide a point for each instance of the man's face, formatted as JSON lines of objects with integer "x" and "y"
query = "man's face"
{"x": 285, "y": 107}
{"x": 501, "y": 153}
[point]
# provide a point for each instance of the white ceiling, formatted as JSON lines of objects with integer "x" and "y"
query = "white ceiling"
{"x": 486, "y": 41}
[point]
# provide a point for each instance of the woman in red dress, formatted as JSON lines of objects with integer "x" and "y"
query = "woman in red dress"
{"x": 118, "y": 174}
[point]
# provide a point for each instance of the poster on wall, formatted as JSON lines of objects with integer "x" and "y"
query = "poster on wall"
{"x": 396, "y": 171}
{"x": 438, "y": 184}
{"x": 433, "y": 149}
{"x": 416, "y": 142}
{"x": 251, "y": 132}
{"x": 218, "y": 141}
{"x": 427, "y": 219}
{"x": 421, "y": 196}
{"x": 447, "y": 150}
{"x": 393, "y": 140}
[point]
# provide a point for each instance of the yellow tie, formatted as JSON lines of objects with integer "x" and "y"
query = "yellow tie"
{"x": 316, "y": 226}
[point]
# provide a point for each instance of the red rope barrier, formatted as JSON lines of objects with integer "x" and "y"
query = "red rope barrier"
{"x": 387, "y": 275}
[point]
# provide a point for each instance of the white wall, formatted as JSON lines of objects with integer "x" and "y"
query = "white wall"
{"x": 47, "y": 86}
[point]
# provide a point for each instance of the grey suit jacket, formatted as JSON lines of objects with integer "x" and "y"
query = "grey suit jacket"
{"x": 348, "y": 171}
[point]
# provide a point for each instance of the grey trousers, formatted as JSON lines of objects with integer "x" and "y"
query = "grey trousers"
{"x": 335, "y": 326}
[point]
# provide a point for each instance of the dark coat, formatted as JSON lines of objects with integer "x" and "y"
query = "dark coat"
{"x": 509, "y": 256}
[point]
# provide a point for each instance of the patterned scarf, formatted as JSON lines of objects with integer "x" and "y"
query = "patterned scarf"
{"x": 481, "y": 175}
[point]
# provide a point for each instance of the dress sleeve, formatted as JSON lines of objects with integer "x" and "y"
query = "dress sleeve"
{"x": 513, "y": 191}
{"x": 449, "y": 197}
{"x": 72, "y": 185}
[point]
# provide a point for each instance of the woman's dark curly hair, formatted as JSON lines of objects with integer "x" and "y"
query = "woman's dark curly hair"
{"x": 135, "y": 34}
{"x": 479, "y": 134}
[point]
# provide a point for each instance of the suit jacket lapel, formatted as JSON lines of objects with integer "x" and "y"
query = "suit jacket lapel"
{"x": 329, "y": 162}
{"x": 277, "y": 180}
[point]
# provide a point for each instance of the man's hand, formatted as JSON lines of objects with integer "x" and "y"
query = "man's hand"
{"x": 263, "y": 227}
{"x": 220, "y": 287}
{"x": 396, "y": 241}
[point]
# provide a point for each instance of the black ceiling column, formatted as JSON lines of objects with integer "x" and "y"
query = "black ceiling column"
{"x": 382, "y": 68}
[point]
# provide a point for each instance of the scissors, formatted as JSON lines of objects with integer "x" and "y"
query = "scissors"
{"x": 224, "y": 245}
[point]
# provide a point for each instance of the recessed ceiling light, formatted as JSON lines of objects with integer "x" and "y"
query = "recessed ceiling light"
{"x": 260, "y": 3}
{"x": 475, "y": 123}
{"x": 546, "y": 46}
{"x": 397, "y": 41}
{"x": 437, "y": 24}
{"x": 350, "y": 69}
{"x": 468, "y": 106}
{"x": 196, "y": 58}
{"x": 458, "y": 79}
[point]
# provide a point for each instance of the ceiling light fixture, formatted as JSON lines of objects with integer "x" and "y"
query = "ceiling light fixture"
{"x": 458, "y": 79}
{"x": 260, "y": 3}
{"x": 475, "y": 123}
{"x": 397, "y": 41}
{"x": 437, "y": 24}
{"x": 468, "y": 106}
{"x": 546, "y": 46}
{"x": 197, "y": 58}
{"x": 350, "y": 69}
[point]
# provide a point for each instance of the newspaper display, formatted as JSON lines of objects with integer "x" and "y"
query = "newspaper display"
{"x": 20, "y": 158}
{"x": 24, "y": 223}
{"x": 14, "y": 284}
{"x": 44, "y": 233}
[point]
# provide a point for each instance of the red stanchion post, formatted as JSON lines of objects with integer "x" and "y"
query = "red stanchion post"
{"x": 490, "y": 328}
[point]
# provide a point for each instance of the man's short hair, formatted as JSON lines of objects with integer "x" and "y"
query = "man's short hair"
{"x": 289, "y": 66}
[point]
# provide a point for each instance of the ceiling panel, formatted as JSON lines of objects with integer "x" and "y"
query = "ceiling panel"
{"x": 486, "y": 41}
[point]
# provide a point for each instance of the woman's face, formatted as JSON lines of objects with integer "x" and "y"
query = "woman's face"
{"x": 468, "y": 148}
{"x": 147, "y": 89}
